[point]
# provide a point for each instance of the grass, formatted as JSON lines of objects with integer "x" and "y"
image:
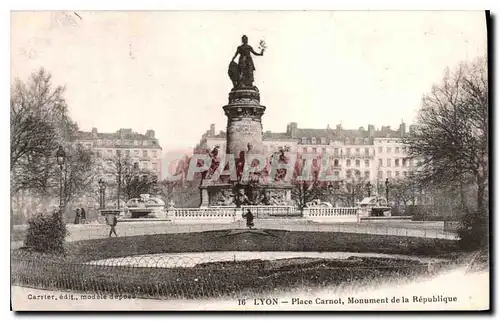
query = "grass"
{"x": 226, "y": 279}
{"x": 278, "y": 240}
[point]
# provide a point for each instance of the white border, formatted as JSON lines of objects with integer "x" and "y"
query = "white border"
{"x": 7, "y": 6}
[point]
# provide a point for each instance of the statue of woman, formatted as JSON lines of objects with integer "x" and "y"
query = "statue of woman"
{"x": 243, "y": 75}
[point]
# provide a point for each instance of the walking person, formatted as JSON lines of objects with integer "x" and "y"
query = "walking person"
{"x": 249, "y": 217}
{"x": 77, "y": 216}
{"x": 83, "y": 215}
{"x": 112, "y": 224}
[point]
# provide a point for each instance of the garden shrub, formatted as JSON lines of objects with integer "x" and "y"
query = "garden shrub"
{"x": 46, "y": 233}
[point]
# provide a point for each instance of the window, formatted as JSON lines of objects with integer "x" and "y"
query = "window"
{"x": 136, "y": 152}
{"x": 367, "y": 152}
{"x": 367, "y": 174}
{"x": 405, "y": 174}
{"x": 358, "y": 173}
{"x": 136, "y": 165}
{"x": 336, "y": 174}
{"x": 380, "y": 174}
{"x": 118, "y": 152}
{"x": 396, "y": 162}
{"x": 367, "y": 163}
{"x": 313, "y": 140}
{"x": 153, "y": 166}
{"x": 357, "y": 151}
{"x": 324, "y": 150}
{"x": 397, "y": 150}
{"x": 397, "y": 174}
{"x": 304, "y": 140}
{"x": 358, "y": 163}
{"x": 388, "y": 150}
{"x": 336, "y": 151}
{"x": 323, "y": 140}
{"x": 348, "y": 163}
{"x": 348, "y": 151}
{"x": 380, "y": 149}
{"x": 99, "y": 153}
{"x": 380, "y": 163}
{"x": 144, "y": 153}
{"x": 155, "y": 153}
{"x": 403, "y": 161}
{"x": 388, "y": 162}
{"x": 315, "y": 150}
{"x": 388, "y": 174}
{"x": 127, "y": 153}
{"x": 349, "y": 173}
{"x": 336, "y": 163}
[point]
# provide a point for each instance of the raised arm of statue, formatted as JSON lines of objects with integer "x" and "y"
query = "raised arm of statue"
{"x": 257, "y": 54}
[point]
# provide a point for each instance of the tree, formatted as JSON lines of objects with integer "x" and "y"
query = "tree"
{"x": 80, "y": 173}
{"x": 130, "y": 181}
{"x": 39, "y": 123}
{"x": 451, "y": 139}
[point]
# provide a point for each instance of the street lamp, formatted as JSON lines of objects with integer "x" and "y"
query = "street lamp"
{"x": 61, "y": 157}
{"x": 387, "y": 191}
{"x": 369, "y": 188}
{"x": 102, "y": 191}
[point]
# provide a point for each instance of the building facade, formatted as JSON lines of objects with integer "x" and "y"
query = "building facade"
{"x": 367, "y": 155}
{"x": 143, "y": 150}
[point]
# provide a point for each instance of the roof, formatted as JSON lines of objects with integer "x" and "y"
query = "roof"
{"x": 124, "y": 135}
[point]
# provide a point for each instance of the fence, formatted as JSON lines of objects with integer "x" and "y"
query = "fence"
{"x": 185, "y": 278}
{"x": 320, "y": 214}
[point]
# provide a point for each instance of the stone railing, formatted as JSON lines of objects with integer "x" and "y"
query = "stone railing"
{"x": 216, "y": 214}
{"x": 271, "y": 211}
{"x": 223, "y": 214}
{"x": 339, "y": 214}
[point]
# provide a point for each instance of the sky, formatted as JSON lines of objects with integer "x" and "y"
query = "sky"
{"x": 167, "y": 70}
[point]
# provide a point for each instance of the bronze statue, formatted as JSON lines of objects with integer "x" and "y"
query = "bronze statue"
{"x": 241, "y": 74}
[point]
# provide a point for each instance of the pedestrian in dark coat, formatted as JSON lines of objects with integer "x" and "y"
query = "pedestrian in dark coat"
{"x": 83, "y": 215}
{"x": 77, "y": 216}
{"x": 113, "y": 223}
{"x": 249, "y": 217}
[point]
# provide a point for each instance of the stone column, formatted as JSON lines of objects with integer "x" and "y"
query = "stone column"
{"x": 204, "y": 196}
{"x": 244, "y": 126}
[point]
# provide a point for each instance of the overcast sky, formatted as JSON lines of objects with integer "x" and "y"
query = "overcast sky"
{"x": 167, "y": 71}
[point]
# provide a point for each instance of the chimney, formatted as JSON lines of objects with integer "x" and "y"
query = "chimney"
{"x": 212, "y": 129}
{"x": 293, "y": 129}
{"x": 402, "y": 129}
{"x": 150, "y": 133}
{"x": 371, "y": 131}
{"x": 339, "y": 127}
{"x": 94, "y": 132}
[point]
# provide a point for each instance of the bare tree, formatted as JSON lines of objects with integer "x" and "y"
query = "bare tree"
{"x": 79, "y": 173}
{"x": 451, "y": 139}
{"x": 39, "y": 123}
{"x": 130, "y": 180}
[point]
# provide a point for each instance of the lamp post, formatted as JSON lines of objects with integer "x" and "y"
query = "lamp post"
{"x": 369, "y": 188}
{"x": 387, "y": 191}
{"x": 61, "y": 158}
{"x": 102, "y": 195}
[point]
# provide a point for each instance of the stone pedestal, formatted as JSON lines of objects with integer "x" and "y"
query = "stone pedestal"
{"x": 244, "y": 126}
{"x": 244, "y": 137}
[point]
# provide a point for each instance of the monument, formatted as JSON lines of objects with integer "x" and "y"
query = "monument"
{"x": 244, "y": 140}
